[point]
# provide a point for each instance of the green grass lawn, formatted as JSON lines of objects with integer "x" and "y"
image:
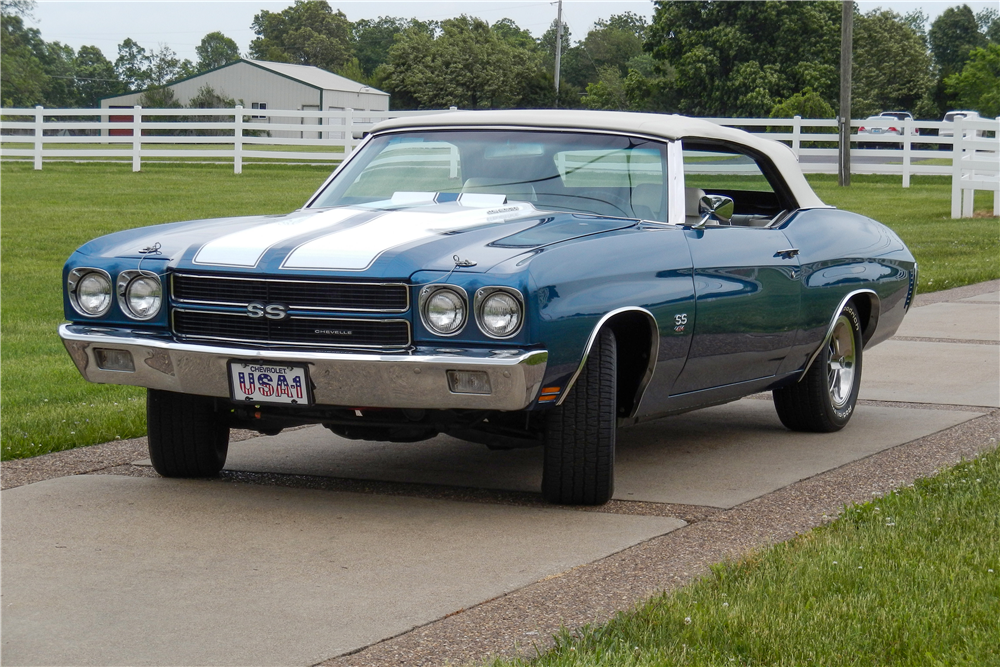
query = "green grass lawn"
{"x": 47, "y": 214}
{"x": 950, "y": 252}
{"x": 912, "y": 578}
{"x": 46, "y": 405}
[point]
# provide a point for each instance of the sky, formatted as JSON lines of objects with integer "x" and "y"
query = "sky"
{"x": 181, "y": 24}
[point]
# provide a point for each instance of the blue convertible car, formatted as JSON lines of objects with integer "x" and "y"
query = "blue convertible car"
{"x": 512, "y": 278}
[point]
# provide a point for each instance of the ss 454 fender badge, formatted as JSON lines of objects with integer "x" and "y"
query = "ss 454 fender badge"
{"x": 680, "y": 321}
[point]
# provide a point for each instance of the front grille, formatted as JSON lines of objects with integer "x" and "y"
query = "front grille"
{"x": 300, "y": 331}
{"x": 296, "y": 294}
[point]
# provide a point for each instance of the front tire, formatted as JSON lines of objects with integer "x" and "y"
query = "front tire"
{"x": 579, "y": 464}
{"x": 187, "y": 436}
{"x": 823, "y": 401}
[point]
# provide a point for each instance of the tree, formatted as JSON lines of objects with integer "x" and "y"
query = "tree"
{"x": 892, "y": 69}
{"x": 806, "y": 104}
{"x": 95, "y": 77}
{"x": 165, "y": 66}
{"x": 988, "y": 21}
{"x": 977, "y": 86}
{"x": 468, "y": 65}
{"x": 738, "y": 58}
{"x": 953, "y": 35}
{"x": 215, "y": 51}
{"x": 372, "y": 39}
{"x": 158, "y": 97}
{"x": 59, "y": 62}
{"x": 22, "y": 77}
{"x": 613, "y": 91}
{"x": 547, "y": 47}
{"x": 514, "y": 35}
{"x": 22, "y": 8}
{"x": 132, "y": 65}
{"x": 307, "y": 33}
{"x": 615, "y": 41}
{"x": 208, "y": 98}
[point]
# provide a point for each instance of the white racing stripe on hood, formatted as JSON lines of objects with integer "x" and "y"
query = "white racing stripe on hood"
{"x": 355, "y": 249}
{"x": 246, "y": 247}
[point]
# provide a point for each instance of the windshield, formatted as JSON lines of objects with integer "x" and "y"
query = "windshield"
{"x": 567, "y": 171}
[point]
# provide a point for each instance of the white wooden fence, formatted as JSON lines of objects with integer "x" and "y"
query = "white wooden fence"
{"x": 966, "y": 150}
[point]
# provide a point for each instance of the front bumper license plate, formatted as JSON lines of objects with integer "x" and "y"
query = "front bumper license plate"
{"x": 256, "y": 382}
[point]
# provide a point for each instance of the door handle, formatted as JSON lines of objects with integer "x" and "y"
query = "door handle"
{"x": 787, "y": 254}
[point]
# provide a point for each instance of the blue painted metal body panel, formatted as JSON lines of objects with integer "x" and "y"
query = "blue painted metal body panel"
{"x": 732, "y": 314}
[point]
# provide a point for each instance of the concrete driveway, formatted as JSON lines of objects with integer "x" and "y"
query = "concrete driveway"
{"x": 312, "y": 548}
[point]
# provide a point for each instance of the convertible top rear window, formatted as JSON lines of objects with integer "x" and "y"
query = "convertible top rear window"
{"x": 599, "y": 174}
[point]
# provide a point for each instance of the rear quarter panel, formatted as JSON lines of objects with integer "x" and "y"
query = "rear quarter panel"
{"x": 841, "y": 252}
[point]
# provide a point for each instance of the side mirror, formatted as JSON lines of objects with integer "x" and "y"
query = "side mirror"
{"x": 718, "y": 207}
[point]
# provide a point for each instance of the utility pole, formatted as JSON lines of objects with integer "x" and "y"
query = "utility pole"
{"x": 558, "y": 48}
{"x": 844, "y": 119}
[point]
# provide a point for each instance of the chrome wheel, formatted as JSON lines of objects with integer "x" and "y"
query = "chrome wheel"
{"x": 841, "y": 362}
{"x": 824, "y": 398}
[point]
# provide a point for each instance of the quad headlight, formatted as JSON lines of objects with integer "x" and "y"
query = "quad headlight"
{"x": 89, "y": 291}
{"x": 443, "y": 309}
{"x": 140, "y": 294}
{"x": 499, "y": 311}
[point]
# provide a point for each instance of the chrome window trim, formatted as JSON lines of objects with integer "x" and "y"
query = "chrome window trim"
{"x": 73, "y": 279}
{"x": 480, "y": 297}
{"x": 669, "y": 143}
{"x": 427, "y": 291}
{"x": 520, "y": 128}
{"x": 675, "y": 183}
{"x": 292, "y": 280}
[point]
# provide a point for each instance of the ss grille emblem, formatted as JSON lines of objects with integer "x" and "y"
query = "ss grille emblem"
{"x": 272, "y": 311}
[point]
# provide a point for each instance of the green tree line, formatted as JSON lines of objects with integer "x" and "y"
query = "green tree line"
{"x": 727, "y": 59}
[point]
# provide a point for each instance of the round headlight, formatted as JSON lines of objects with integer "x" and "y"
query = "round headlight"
{"x": 444, "y": 312}
{"x": 143, "y": 297}
{"x": 500, "y": 315}
{"x": 93, "y": 294}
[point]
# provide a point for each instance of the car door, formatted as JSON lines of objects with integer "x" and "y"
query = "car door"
{"x": 747, "y": 277}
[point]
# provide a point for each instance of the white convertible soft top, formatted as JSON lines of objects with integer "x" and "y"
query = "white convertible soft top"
{"x": 665, "y": 126}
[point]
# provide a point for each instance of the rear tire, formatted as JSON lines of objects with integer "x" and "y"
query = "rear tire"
{"x": 187, "y": 436}
{"x": 579, "y": 466}
{"x": 823, "y": 401}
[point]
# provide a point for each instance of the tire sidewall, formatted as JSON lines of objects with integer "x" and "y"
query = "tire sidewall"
{"x": 840, "y": 416}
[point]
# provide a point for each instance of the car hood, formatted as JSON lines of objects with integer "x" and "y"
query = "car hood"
{"x": 373, "y": 242}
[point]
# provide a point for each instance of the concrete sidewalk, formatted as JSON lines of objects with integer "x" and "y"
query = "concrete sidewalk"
{"x": 313, "y": 548}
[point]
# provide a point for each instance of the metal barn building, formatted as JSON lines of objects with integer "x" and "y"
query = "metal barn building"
{"x": 267, "y": 85}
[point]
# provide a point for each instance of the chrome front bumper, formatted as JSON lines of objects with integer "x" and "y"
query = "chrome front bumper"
{"x": 415, "y": 380}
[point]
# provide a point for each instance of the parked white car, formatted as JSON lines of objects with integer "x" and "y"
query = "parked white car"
{"x": 884, "y": 125}
{"x": 951, "y": 117}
